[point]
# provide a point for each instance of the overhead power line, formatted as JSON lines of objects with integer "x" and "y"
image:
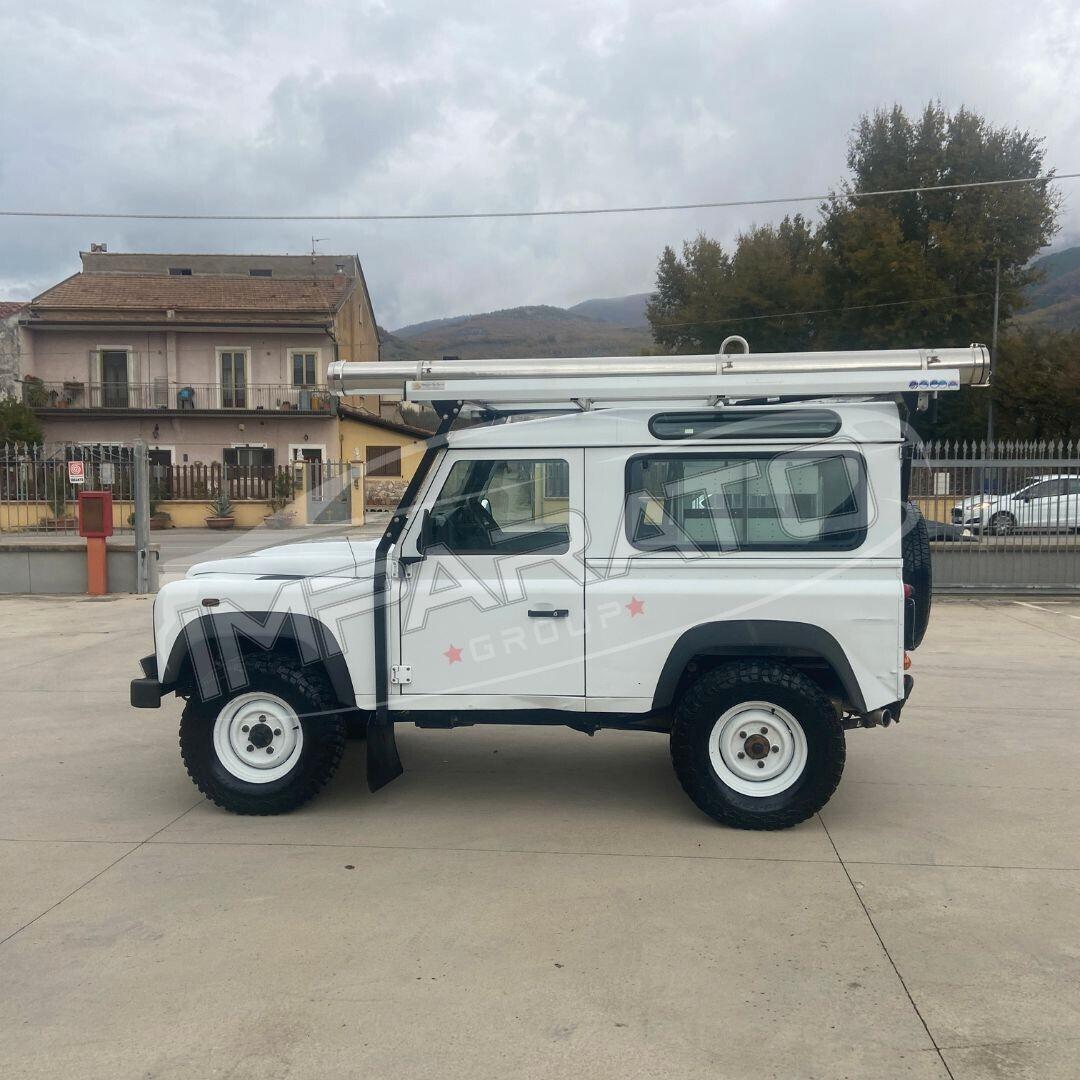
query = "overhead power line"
{"x": 491, "y": 214}
{"x": 826, "y": 311}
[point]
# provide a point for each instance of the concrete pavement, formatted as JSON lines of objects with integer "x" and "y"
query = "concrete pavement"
{"x": 535, "y": 903}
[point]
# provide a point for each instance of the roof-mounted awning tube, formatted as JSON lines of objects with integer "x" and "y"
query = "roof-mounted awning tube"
{"x": 648, "y": 378}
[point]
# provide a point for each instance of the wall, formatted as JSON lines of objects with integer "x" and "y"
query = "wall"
{"x": 201, "y": 437}
{"x": 51, "y": 567}
{"x": 181, "y": 356}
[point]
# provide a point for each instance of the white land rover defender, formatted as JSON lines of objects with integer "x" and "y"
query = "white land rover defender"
{"x": 719, "y": 548}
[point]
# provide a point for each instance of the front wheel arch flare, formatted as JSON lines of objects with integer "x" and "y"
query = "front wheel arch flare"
{"x": 303, "y": 635}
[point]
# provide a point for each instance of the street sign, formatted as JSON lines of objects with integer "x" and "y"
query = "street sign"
{"x": 76, "y": 472}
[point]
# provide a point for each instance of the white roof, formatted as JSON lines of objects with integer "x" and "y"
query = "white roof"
{"x": 862, "y": 422}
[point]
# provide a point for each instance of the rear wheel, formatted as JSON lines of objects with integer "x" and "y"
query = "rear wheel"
{"x": 268, "y": 748}
{"x": 757, "y": 745}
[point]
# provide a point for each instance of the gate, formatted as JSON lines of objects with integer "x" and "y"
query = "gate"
{"x": 328, "y": 496}
{"x": 1002, "y": 516}
{"x": 37, "y": 499}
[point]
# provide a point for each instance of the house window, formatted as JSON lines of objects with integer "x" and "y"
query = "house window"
{"x": 179, "y": 271}
{"x": 304, "y": 368}
{"x": 233, "y": 378}
{"x": 384, "y": 461}
{"x": 260, "y": 272}
{"x": 247, "y": 456}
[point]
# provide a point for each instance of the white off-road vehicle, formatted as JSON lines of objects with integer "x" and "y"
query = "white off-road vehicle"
{"x": 718, "y": 548}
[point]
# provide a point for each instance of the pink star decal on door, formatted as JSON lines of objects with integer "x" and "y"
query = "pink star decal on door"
{"x": 453, "y": 655}
{"x": 635, "y": 607}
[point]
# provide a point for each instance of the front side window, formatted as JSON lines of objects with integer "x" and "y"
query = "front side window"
{"x": 303, "y": 368}
{"x": 747, "y": 502}
{"x": 503, "y": 507}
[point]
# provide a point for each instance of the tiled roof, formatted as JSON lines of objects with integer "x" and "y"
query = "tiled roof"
{"x": 9, "y": 307}
{"x": 94, "y": 296}
{"x": 352, "y": 413}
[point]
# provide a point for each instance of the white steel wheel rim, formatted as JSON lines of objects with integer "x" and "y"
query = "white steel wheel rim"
{"x": 258, "y": 738}
{"x": 757, "y": 748}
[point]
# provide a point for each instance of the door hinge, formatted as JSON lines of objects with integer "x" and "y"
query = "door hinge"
{"x": 400, "y": 674}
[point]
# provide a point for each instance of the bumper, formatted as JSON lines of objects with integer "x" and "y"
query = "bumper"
{"x": 146, "y": 692}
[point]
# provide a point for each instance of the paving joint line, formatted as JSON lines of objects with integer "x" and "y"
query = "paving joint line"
{"x": 91, "y": 880}
{"x": 885, "y": 950}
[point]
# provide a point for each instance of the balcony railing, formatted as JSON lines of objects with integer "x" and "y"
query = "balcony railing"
{"x": 182, "y": 397}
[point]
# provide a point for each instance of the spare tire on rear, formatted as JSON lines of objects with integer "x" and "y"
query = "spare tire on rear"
{"x": 915, "y": 550}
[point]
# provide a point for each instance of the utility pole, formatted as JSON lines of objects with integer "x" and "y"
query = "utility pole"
{"x": 993, "y": 350}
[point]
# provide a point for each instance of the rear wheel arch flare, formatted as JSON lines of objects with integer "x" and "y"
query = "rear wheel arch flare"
{"x": 755, "y": 637}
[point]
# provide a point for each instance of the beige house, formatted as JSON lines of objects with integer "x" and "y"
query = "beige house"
{"x": 209, "y": 358}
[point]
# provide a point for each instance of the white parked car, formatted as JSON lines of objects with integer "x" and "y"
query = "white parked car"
{"x": 669, "y": 552}
{"x": 1044, "y": 504}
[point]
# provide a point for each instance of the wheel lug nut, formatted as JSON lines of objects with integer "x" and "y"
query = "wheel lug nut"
{"x": 776, "y": 749}
{"x": 741, "y": 755}
{"x": 764, "y": 731}
{"x": 742, "y": 734}
{"x": 262, "y": 716}
{"x": 245, "y": 729}
{"x": 251, "y": 749}
{"x": 761, "y": 764}
{"x": 277, "y": 731}
{"x": 269, "y": 749}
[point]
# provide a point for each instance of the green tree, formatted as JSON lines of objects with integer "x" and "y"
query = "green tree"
{"x": 935, "y": 248}
{"x": 18, "y": 423}
{"x": 705, "y": 295}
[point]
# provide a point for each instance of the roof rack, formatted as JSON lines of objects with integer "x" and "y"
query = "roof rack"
{"x": 562, "y": 383}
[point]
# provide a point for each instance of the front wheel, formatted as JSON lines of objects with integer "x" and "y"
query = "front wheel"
{"x": 757, "y": 745}
{"x": 269, "y": 747}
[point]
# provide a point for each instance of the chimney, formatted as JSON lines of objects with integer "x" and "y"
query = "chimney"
{"x": 99, "y": 249}
{"x": 339, "y": 277}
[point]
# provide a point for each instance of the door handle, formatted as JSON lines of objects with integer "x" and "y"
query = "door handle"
{"x": 549, "y": 613}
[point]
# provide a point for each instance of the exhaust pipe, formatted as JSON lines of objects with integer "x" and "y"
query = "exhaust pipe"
{"x": 877, "y": 718}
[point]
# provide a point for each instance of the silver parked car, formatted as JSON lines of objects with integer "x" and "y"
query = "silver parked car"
{"x": 1046, "y": 504}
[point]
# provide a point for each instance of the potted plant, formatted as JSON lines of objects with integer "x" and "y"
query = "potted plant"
{"x": 159, "y": 519}
{"x": 56, "y": 495}
{"x": 279, "y": 517}
{"x": 34, "y": 393}
{"x": 221, "y": 512}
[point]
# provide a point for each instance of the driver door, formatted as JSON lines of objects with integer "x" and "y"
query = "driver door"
{"x": 493, "y": 597}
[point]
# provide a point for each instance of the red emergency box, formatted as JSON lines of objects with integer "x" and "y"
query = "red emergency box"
{"x": 95, "y": 514}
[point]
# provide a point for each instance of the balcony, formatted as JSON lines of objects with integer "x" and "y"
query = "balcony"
{"x": 161, "y": 396}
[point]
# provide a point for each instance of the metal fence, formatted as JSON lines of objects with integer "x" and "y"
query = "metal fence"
{"x": 36, "y": 495}
{"x": 1002, "y": 515}
{"x": 162, "y": 394}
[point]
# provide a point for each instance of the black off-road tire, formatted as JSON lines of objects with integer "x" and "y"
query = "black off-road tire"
{"x": 717, "y": 691}
{"x": 918, "y": 573}
{"x": 308, "y": 691}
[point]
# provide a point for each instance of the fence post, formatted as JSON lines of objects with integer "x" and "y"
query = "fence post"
{"x": 142, "y": 518}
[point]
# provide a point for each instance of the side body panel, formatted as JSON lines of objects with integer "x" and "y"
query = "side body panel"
{"x": 639, "y": 603}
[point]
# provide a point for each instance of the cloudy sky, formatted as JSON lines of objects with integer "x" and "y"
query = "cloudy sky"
{"x": 292, "y": 107}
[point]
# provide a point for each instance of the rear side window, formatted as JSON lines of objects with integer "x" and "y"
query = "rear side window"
{"x": 794, "y": 501}
{"x": 744, "y": 424}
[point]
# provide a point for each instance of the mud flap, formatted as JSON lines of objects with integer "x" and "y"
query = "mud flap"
{"x": 383, "y": 762}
